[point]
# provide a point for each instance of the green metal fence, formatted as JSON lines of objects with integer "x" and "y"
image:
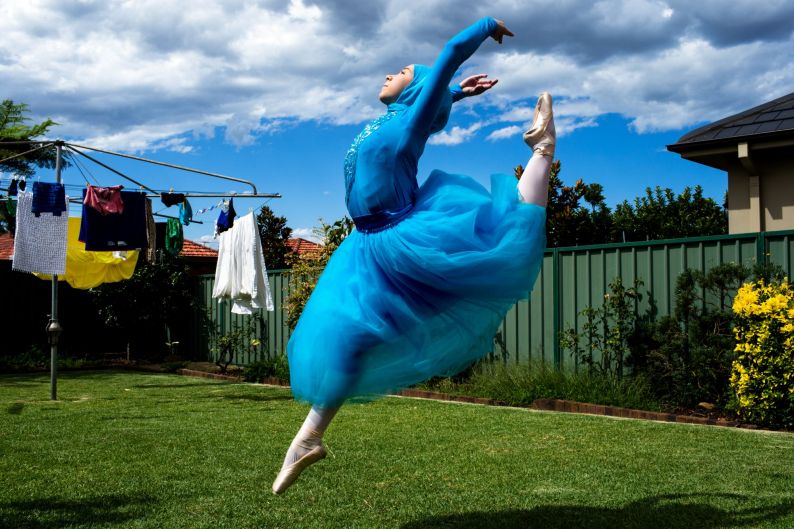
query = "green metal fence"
{"x": 570, "y": 280}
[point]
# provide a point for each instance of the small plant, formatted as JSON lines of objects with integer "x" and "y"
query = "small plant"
{"x": 238, "y": 339}
{"x": 607, "y": 330}
{"x": 763, "y": 372}
{"x": 276, "y": 366}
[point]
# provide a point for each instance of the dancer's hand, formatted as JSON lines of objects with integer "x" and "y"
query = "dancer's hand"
{"x": 477, "y": 84}
{"x": 500, "y": 32}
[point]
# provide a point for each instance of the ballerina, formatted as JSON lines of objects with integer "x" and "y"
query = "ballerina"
{"x": 419, "y": 288}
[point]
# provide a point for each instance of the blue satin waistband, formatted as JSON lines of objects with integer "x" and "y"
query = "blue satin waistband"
{"x": 381, "y": 220}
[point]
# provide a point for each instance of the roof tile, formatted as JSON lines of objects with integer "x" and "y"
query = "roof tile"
{"x": 770, "y": 117}
{"x": 6, "y": 247}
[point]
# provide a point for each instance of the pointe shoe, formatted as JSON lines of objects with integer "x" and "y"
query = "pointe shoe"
{"x": 289, "y": 473}
{"x": 542, "y": 137}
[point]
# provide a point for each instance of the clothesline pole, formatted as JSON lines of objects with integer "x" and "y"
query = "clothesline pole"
{"x": 54, "y": 328}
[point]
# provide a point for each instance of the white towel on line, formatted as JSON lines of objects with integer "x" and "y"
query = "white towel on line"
{"x": 240, "y": 274}
{"x": 40, "y": 242}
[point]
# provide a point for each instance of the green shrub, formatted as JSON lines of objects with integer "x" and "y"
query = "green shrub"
{"x": 688, "y": 356}
{"x": 276, "y": 366}
{"x": 521, "y": 384}
{"x": 763, "y": 372}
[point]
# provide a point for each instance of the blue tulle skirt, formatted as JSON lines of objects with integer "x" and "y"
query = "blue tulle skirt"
{"x": 421, "y": 298}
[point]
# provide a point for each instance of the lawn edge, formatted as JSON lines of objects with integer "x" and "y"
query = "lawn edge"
{"x": 552, "y": 405}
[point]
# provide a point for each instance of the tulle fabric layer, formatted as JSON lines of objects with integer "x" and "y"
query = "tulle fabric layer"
{"x": 422, "y": 298}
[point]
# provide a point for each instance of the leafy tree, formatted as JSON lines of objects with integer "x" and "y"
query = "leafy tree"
{"x": 158, "y": 295}
{"x": 306, "y": 268}
{"x": 274, "y": 233}
{"x": 661, "y": 214}
{"x": 14, "y": 127}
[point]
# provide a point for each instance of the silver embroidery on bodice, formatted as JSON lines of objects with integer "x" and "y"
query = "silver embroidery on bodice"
{"x": 352, "y": 152}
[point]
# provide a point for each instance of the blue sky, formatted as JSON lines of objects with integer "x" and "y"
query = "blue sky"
{"x": 274, "y": 91}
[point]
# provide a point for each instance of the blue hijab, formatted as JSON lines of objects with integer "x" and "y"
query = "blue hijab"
{"x": 411, "y": 93}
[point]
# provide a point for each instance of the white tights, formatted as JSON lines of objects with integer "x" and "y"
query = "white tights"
{"x": 311, "y": 433}
{"x": 533, "y": 188}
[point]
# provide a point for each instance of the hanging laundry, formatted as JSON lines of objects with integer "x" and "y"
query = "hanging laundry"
{"x": 48, "y": 197}
{"x": 86, "y": 269}
{"x": 125, "y": 231}
{"x": 22, "y": 184}
{"x": 11, "y": 206}
{"x": 40, "y": 240}
{"x": 12, "y": 188}
{"x": 106, "y": 200}
{"x": 240, "y": 274}
{"x": 185, "y": 212}
{"x": 151, "y": 234}
{"x": 172, "y": 199}
{"x": 226, "y": 218}
{"x": 174, "y": 239}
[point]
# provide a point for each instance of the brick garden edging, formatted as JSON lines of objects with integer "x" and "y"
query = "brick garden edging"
{"x": 270, "y": 381}
{"x": 628, "y": 413}
{"x": 558, "y": 405}
{"x": 204, "y": 374}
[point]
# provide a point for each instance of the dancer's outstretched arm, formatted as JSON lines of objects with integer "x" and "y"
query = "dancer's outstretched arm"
{"x": 471, "y": 86}
{"x": 456, "y": 51}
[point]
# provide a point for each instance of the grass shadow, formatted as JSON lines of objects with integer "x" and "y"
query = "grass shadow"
{"x": 187, "y": 385}
{"x": 56, "y": 512}
{"x": 255, "y": 398}
{"x": 15, "y": 408}
{"x": 670, "y": 511}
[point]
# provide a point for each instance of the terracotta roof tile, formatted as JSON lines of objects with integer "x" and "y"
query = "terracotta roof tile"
{"x": 303, "y": 246}
{"x": 6, "y": 247}
{"x": 194, "y": 249}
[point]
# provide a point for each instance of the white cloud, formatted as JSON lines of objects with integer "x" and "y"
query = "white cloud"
{"x": 155, "y": 74}
{"x": 504, "y": 133}
{"x": 306, "y": 233}
{"x": 455, "y": 135}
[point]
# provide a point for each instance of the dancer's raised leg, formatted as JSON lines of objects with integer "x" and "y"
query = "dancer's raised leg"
{"x": 306, "y": 448}
{"x": 541, "y": 137}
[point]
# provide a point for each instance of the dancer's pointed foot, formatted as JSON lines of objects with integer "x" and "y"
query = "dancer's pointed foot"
{"x": 541, "y": 136}
{"x": 290, "y": 471}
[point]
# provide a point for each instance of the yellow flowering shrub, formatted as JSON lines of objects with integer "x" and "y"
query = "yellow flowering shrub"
{"x": 762, "y": 376}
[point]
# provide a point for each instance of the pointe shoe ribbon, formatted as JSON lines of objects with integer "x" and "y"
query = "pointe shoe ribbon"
{"x": 541, "y": 136}
{"x": 289, "y": 473}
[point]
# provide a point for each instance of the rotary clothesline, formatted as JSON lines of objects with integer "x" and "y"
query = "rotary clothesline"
{"x": 53, "y": 328}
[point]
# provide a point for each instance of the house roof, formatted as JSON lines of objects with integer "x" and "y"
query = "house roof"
{"x": 194, "y": 249}
{"x": 775, "y": 118}
{"x": 303, "y": 246}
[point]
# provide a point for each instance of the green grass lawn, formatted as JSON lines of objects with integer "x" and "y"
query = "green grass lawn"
{"x": 163, "y": 451}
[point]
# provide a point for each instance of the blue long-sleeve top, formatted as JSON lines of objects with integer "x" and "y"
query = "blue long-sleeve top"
{"x": 381, "y": 165}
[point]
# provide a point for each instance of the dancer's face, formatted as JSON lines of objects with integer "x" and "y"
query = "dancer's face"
{"x": 395, "y": 84}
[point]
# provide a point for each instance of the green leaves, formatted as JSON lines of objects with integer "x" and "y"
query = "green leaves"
{"x": 14, "y": 127}
{"x": 274, "y": 234}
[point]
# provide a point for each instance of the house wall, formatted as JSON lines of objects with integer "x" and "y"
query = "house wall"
{"x": 765, "y": 201}
{"x": 777, "y": 193}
